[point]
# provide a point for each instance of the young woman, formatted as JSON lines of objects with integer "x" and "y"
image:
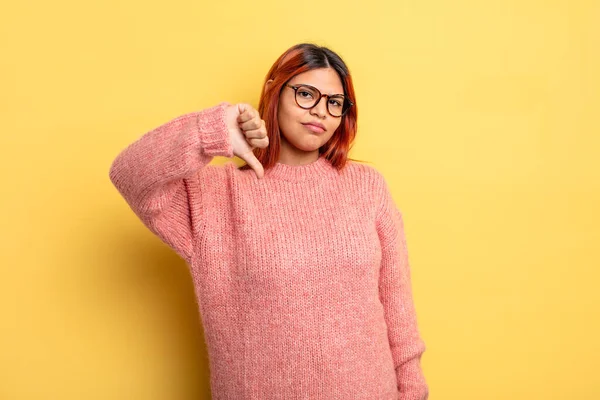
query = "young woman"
{"x": 298, "y": 258}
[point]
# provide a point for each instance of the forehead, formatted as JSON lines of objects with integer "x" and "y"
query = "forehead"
{"x": 324, "y": 79}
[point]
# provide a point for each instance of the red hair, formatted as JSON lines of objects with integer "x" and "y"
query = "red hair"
{"x": 296, "y": 60}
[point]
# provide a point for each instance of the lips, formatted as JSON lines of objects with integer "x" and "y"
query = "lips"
{"x": 315, "y": 127}
{"x": 320, "y": 125}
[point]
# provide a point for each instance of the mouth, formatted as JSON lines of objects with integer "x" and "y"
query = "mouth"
{"x": 314, "y": 128}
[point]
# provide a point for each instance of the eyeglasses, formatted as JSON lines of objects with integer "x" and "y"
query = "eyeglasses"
{"x": 308, "y": 97}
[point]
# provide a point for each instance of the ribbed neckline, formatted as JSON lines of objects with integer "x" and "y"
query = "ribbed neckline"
{"x": 297, "y": 173}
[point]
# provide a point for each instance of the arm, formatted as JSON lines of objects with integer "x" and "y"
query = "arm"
{"x": 157, "y": 173}
{"x": 395, "y": 293}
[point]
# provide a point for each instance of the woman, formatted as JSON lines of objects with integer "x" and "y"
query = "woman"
{"x": 298, "y": 258}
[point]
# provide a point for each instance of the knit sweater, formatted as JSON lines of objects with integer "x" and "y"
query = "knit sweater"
{"x": 301, "y": 278}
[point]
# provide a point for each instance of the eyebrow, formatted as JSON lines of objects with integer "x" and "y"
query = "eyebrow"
{"x": 330, "y": 95}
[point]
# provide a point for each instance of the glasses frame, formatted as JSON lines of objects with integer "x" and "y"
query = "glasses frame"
{"x": 345, "y": 107}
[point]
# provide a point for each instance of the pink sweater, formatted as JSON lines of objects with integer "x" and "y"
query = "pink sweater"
{"x": 302, "y": 277}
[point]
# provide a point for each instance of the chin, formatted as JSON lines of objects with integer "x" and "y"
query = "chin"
{"x": 311, "y": 139}
{"x": 307, "y": 147}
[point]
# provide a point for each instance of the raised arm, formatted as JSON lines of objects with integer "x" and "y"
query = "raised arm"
{"x": 157, "y": 174}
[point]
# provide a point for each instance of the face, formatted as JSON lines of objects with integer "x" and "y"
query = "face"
{"x": 292, "y": 118}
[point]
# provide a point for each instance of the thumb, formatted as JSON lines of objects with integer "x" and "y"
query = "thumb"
{"x": 253, "y": 162}
{"x": 242, "y": 107}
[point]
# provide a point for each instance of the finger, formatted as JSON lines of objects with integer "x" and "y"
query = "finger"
{"x": 242, "y": 107}
{"x": 253, "y": 162}
{"x": 260, "y": 143}
{"x": 256, "y": 133}
{"x": 246, "y": 113}
{"x": 254, "y": 123}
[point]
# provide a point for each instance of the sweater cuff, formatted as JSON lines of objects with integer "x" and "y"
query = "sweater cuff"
{"x": 213, "y": 131}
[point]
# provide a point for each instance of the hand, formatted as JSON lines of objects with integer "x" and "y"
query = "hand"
{"x": 246, "y": 132}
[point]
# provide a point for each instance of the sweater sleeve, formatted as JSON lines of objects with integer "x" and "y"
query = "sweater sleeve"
{"x": 157, "y": 173}
{"x": 395, "y": 294}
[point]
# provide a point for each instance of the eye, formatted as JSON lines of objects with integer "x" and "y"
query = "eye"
{"x": 305, "y": 94}
{"x": 335, "y": 102}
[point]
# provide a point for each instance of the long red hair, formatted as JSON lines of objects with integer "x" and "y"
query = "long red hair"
{"x": 296, "y": 60}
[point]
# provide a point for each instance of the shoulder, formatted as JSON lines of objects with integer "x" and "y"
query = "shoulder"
{"x": 378, "y": 188}
{"x": 370, "y": 185}
{"x": 366, "y": 173}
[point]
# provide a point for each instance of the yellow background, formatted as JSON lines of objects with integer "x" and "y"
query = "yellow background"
{"x": 483, "y": 116}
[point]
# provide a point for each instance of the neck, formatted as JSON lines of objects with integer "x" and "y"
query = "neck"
{"x": 290, "y": 155}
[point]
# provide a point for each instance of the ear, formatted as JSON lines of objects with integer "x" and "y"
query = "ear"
{"x": 268, "y": 83}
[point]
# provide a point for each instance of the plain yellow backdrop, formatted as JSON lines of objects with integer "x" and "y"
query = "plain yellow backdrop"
{"x": 483, "y": 117}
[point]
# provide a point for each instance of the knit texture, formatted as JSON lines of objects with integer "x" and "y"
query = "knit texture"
{"x": 302, "y": 278}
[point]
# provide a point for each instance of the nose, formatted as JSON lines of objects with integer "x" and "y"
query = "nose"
{"x": 320, "y": 108}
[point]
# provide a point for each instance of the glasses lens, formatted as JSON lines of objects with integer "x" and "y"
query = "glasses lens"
{"x": 336, "y": 105}
{"x": 306, "y": 96}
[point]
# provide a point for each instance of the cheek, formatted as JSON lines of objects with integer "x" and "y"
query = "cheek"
{"x": 289, "y": 117}
{"x": 334, "y": 125}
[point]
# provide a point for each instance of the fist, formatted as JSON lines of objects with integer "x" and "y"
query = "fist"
{"x": 246, "y": 132}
